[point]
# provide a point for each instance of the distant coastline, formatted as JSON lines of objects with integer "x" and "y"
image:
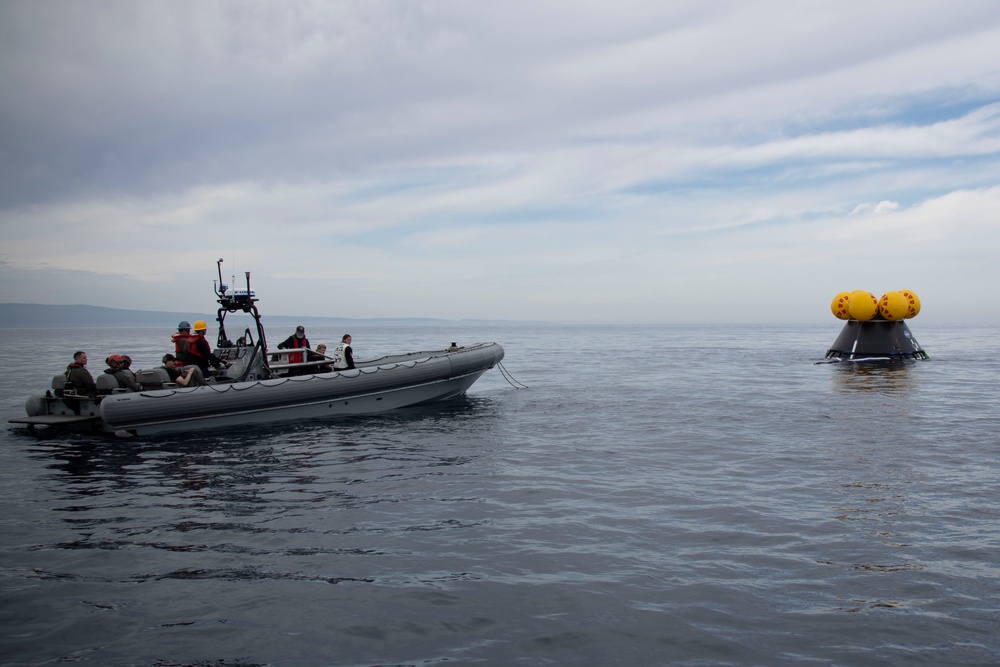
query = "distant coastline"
{"x": 41, "y": 316}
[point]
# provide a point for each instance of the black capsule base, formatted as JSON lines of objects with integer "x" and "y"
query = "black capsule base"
{"x": 876, "y": 338}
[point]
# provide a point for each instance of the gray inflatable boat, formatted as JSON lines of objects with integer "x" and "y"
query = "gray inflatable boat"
{"x": 261, "y": 386}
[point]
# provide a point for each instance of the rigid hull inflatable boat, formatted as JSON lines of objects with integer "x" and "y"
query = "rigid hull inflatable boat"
{"x": 261, "y": 386}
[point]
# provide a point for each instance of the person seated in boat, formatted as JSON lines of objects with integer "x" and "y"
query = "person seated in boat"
{"x": 320, "y": 355}
{"x": 78, "y": 375}
{"x": 189, "y": 376}
{"x": 343, "y": 356}
{"x": 123, "y": 375}
{"x": 199, "y": 351}
{"x": 295, "y": 341}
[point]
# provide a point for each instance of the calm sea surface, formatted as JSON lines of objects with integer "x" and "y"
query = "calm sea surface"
{"x": 657, "y": 496}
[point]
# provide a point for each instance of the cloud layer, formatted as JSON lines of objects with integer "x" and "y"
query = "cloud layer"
{"x": 573, "y": 162}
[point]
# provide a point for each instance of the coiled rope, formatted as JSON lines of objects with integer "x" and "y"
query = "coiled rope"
{"x": 510, "y": 378}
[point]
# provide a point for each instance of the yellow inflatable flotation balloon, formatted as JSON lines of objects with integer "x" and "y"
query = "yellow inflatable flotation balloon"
{"x": 912, "y": 301}
{"x": 840, "y": 305}
{"x": 863, "y": 305}
{"x": 893, "y": 306}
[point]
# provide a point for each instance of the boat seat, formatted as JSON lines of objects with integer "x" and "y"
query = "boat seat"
{"x": 153, "y": 378}
{"x": 60, "y": 384}
{"x": 106, "y": 384}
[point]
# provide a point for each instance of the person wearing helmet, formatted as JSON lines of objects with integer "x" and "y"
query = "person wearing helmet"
{"x": 124, "y": 376}
{"x": 182, "y": 339}
{"x": 199, "y": 352}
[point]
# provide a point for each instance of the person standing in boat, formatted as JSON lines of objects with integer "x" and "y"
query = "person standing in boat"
{"x": 199, "y": 351}
{"x": 294, "y": 342}
{"x": 182, "y": 339}
{"x": 123, "y": 375}
{"x": 343, "y": 356}
{"x": 78, "y": 375}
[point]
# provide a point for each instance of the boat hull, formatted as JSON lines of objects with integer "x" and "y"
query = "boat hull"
{"x": 386, "y": 384}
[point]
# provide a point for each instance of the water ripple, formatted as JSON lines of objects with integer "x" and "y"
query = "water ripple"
{"x": 697, "y": 500}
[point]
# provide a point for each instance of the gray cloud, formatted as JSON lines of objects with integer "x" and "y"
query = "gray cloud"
{"x": 410, "y": 131}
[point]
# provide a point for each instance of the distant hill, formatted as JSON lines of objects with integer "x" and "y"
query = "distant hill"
{"x": 39, "y": 316}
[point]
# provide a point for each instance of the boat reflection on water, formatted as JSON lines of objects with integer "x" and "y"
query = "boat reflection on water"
{"x": 94, "y": 465}
{"x": 880, "y": 376}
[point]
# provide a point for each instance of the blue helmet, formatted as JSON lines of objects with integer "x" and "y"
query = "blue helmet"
{"x": 184, "y": 325}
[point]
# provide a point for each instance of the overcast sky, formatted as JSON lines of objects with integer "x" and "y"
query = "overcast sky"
{"x": 570, "y": 161}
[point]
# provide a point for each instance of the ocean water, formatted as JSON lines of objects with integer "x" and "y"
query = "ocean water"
{"x": 680, "y": 495}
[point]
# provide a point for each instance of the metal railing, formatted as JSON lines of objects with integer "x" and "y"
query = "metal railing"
{"x": 281, "y": 364}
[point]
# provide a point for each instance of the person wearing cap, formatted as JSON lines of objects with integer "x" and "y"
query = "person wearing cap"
{"x": 185, "y": 376}
{"x": 295, "y": 341}
{"x": 124, "y": 376}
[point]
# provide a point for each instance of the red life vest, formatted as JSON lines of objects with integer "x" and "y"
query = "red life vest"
{"x": 185, "y": 346}
{"x": 193, "y": 346}
{"x": 180, "y": 343}
{"x": 297, "y": 342}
